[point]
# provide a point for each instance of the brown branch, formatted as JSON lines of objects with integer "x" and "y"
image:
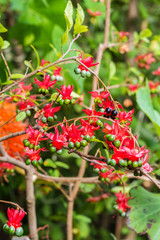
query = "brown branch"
{"x": 12, "y": 203}
{"x": 5, "y": 62}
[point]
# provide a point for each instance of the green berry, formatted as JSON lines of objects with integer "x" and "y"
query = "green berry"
{"x": 44, "y": 119}
{"x": 46, "y": 91}
{"x": 93, "y": 137}
{"x": 117, "y": 143}
{"x": 83, "y": 73}
{"x": 91, "y": 121}
{"x": 59, "y": 152}
{"x": 108, "y": 161}
{"x": 77, "y": 144}
{"x": 71, "y": 145}
{"x": 115, "y": 207}
{"x": 40, "y": 90}
{"x": 88, "y": 74}
{"x": 43, "y": 90}
{"x": 102, "y": 110}
{"x": 11, "y": 230}
{"x": 84, "y": 143}
{"x": 95, "y": 100}
{"x": 40, "y": 161}
{"x": 96, "y": 170}
{"x": 52, "y": 149}
{"x": 31, "y": 146}
{"x": 19, "y": 231}
{"x": 61, "y": 102}
{"x": 98, "y": 122}
{"x": 6, "y": 227}
{"x": 66, "y": 101}
{"x": 53, "y": 77}
{"x": 110, "y": 138}
{"x": 28, "y": 161}
{"x": 7, "y": 170}
{"x": 121, "y": 162}
{"x": 125, "y": 163}
{"x": 87, "y": 138}
{"x": 73, "y": 101}
{"x": 120, "y": 211}
{"x": 27, "y": 143}
{"x": 123, "y": 214}
{"x": 50, "y": 119}
{"x": 34, "y": 163}
{"x": 60, "y": 78}
{"x": 38, "y": 147}
{"x": 12, "y": 170}
{"x": 102, "y": 179}
{"x": 99, "y": 101}
{"x": 129, "y": 163}
{"x": 77, "y": 70}
{"x": 135, "y": 164}
{"x": 106, "y": 179}
{"x": 25, "y": 140}
{"x": 103, "y": 170}
{"x": 55, "y": 117}
{"x": 140, "y": 163}
{"x": 113, "y": 163}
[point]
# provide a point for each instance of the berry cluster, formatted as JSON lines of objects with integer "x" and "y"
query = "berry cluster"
{"x": 121, "y": 204}
{"x": 13, "y": 225}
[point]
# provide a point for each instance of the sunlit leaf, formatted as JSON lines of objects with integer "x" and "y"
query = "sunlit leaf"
{"x": 2, "y": 29}
{"x": 21, "y": 116}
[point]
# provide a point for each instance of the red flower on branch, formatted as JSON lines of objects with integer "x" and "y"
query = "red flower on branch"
{"x": 122, "y": 35}
{"x": 24, "y": 105}
{"x": 43, "y": 62}
{"x": 88, "y": 61}
{"x": 88, "y": 129}
{"x": 156, "y": 72}
{"x": 153, "y": 86}
{"x": 145, "y": 60}
{"x": 35, "y": 136}
{"x": 74, "y": 133}
{"x": 34, "y": 155}
{"x": 46, "y": 82}
{"x": 90, "y": 112}
{"x": 58, "y": 140}
{"x": 49, "y": 111}
{"x": 15, "y": 217}
{"x": 66, "y": 91}
{"x": 122, "y": 201}
{"x": 125, "y": 118}
{"x": 94, "y": 14}
{"x": 133, "y": 87}
{"x": 23, "y": 90}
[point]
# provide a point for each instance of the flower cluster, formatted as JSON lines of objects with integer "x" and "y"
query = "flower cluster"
{"x": 13, "y": 225}
{"x": 145, "y": 60}
{"x": 121, "y": 204}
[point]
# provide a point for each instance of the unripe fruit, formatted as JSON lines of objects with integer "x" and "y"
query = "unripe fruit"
{"x": 113, "y": 163}
{"x": 109, "y": 161}
{"x": 55, "y": 117}
{"x": 93, "y": 137}
{"x": 135, "y": 164}
{"x": 87, "y": 138}
{"x": 120, "y": 211}
{"x": 102, "y": 110}
{"x": 77, "y": 144}
{"x": 125, "y": 163}
{"x": 110, "y": 138}
{"x": 140, "y": 163}
{"x": 117, "y": 143}
{"x": 102, "y": 179}
{"x": 52, "y": 149}
{"x": 46, "y": 91}
{"x": 53, "y": 77}
{"x": 83, "y": 73}
{"x": 50, "y": 119}
{"x": 28, "y": 161}
{"x": 122, "y": 162}
{"x": 27, "y": 143}
{"x": 31, "y": 146}
{"x": 71, "y": 145}
{"x": 123, "y": 214}
{"x": 43, "y": 90}
{"x": 61, "y": 102}
{"x": 44, "y": 119}
{"x": 115, "y": 207}
{"x": 129, "y": 163}
{"x": 77, "y": 70}
{"x": 25, "y": 140}
{"x": 88, "y": 74}
{"x": 66, "y": 101}
{"x": 28, "y": 113}
{"x": 96, "y": 170}
{"x": 103, "y": 170}
{"x": 39, "y": 90}
{"x": 73, "y": 101}
{"x": 98, "y": 122}
{"x": 34, "y": 163}
{"x": 107, "y": 179}
{"x": 40, "y": 161}
{"x": 19, "y": 231}
{"x": 6, "y": 227}
{"x": 11, "y": 230}
{"x": 84, "y": 143}
{"x": 38, "y": 147}
{"x": 91, "y": 121}
{"x": 59, "y": 152}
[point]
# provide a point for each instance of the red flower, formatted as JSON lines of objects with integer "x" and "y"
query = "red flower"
{"x": 58, "y": 140}
{"x": 153, "y": 86}
{"x": 88, "y": 61}
{"x": 133, "y": 88}
{"x": 35, "y": 136}
{"x": 99, "y": 96}
{"x": 145, "y": 60}
{"x": 34, "y": 155}
{"x": 15, "y": 217}
{"x": 66, "y": 91}
{"x": 125, "y": 118}
{"x": 87, "y": 128}
{"x": 97, "y": 198}
{"x": 122, "y": 35}
{"x": 49, "y": 111}
{"x": 107, "y": 103}
{"x": 94, "y": 14}
{"x": 157, "y": 72}
{"x": 146, "y": 166}
{"x": 74, "y": 134}
{"x": 23, "y": 105}
{"x": 90, "y": 112}
{"x": 57, "y": 71}
{"x": 23, "y": 90}
{"x": 122, "y": 201}
{"x": 46, "y": 82}
{"x": 43, "y": 62}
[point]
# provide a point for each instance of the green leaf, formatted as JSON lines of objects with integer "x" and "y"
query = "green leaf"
{"x": 145, "y": 103}
{"x": 78, "y": 27}
{"x": 145, "y": 33}
{"x": 112, "y": 69}
{"x": 62, "y": 164}
{"x": 49, "y": 163}
{"x": 21, "y": 116}
{"x": 87, "y": 187}
{"x": 2, "y": 29}
{"x": 6, "y": 44}
{"x": 144, "y": 215}
{"x": 1, "y": 43}
{"x": 83, "y": 218}
{"x": 28, "y": 64}
{"x": 38, "y": 59}
{"x": 17, "y": 75}
{"x": 68, "y": 13}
